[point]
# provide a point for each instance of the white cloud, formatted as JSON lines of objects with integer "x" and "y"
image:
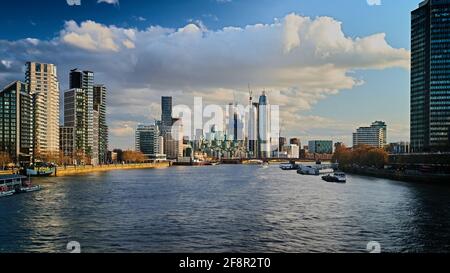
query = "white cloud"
{"x": 73, "y": 2}
{"x": 300, "y": 61}
{"x": 112, "y": 2}
{"x": 374, "y": 2}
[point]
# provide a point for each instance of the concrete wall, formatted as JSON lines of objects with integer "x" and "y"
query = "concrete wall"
{"x": 71, "y": 170}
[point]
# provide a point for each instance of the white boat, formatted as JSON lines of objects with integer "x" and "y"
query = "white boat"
{"x": 7, "y": 193}
{"x": 30, "y": 189}
{"x": 313, "y": 170}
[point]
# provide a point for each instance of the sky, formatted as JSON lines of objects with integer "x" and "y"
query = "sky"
{"x": 331, "y": 65}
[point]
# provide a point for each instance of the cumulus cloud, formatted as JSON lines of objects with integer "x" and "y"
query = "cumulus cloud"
{"x": 299, "y": 60}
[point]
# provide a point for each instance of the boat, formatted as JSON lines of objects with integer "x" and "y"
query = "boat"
{"x": 255, "y": 162}
{"x": 12, "y": 184}
{"x": 41, "y": 170}
{"x": 5, "y": 191}
{"x": 290, "y": 166}
{"x": 314, "y": 170}
{"x": 338, "y": 177}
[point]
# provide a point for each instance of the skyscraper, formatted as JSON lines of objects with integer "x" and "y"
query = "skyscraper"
{"x": 100, "y": 106}
{"x": 84, "y": 80}
{"x": 44, "y": 87}
{"x": 430, "y": 76}
{"x": 166, "y": 113}
{"x": 75, "y": 101}
{"x": 264, "y": 133}
{"x": 16, "y": 122}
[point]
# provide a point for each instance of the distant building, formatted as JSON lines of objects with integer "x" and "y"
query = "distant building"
{"x": 374, "y": 136}
{"x": 43, "y": 85}
{"x": 173, "y": 140}
{"x": 166, "y": 113}
{"x": 399, "y": 148}
{"x": 292, "y": 150}
{"x": 148, "y": 140}
{"x": 264, "y": 127}
{"x": 16, "y": 122}
{"x": 430, "y": 77}
{"x": 320, "y": 147}
{"x": 281, "y": 142}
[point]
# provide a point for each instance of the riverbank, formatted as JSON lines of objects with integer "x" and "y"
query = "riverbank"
{"x": 405, "y": 176}
{"x": 77, "y": 170}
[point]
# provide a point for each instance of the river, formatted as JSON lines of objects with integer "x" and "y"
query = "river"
{"x": 227, "y": 208}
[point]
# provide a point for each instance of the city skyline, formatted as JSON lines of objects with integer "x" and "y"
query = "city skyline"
{"x": 311, "y": 109}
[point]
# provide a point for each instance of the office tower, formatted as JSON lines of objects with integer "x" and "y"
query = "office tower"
{"x": 44, "y": 87}
{"x": 374, "y": 136}
{"x": 84, "y": 80}
{"x": 75, "y": 101}
{"x": 16, "y": 122}
{"x": 320, "y": 147}
{"x": 173, "y": 140}
{"x": 166, "y": 113}
{"x": 148, "y": 140}
{"x": 100, "y": 106}
{"x": 264, "y": 132}
{"x": 430, "y": 76}
{"x": 253, "y": 126}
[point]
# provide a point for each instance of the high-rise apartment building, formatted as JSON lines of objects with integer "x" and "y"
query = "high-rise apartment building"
{"x": 374, "y": 136}
{"x": 44, "y": 87}
{"x": 430, "y": 76}
{"x": 84, "y": 80}
{"x": 75, "y": 101}
{"x": 16, "y": 122}
{"x": 100, "y": 106}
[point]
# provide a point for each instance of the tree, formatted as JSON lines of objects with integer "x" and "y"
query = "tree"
{"x": 363, "y": 155}
{"x": 133, "y": 157}
{"x": 5, "y": 159}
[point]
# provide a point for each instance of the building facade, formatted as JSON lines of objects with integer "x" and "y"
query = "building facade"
{"x": 320, "y": 147}
{"x": 148, "y": 140}
{"x": 374, "y": 136}
{"x": 43, "y": 85}
{"x": 84, "y": 80}
{"x": 430, "y": 76}
{"x": 67, "y": 138}
{"x": 264, "y": 133}
{"x": 100, "y": 93}
{"x": 16, "y": 122}
{"x": 75, "y": 101}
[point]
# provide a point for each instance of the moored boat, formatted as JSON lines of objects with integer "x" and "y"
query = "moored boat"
{"x": 12, "y": 184}
{"x": 337, "y": 177}
{"x": 41, "y": 170}
{"x": 290, "y": 166}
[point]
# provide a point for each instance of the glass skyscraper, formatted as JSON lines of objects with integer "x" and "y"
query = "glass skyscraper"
{"x": 16, "y": 122}
{"x": 84, "y": 80}
{"x": 430, "y": 76}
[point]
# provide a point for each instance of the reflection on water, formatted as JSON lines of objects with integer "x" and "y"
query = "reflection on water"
{"x": 225, "y": 209}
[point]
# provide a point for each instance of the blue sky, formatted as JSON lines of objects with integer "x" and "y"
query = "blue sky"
{"x": 365, "y": 88}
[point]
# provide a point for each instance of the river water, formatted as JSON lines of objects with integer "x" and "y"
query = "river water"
{"x": 228, "y": 208}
